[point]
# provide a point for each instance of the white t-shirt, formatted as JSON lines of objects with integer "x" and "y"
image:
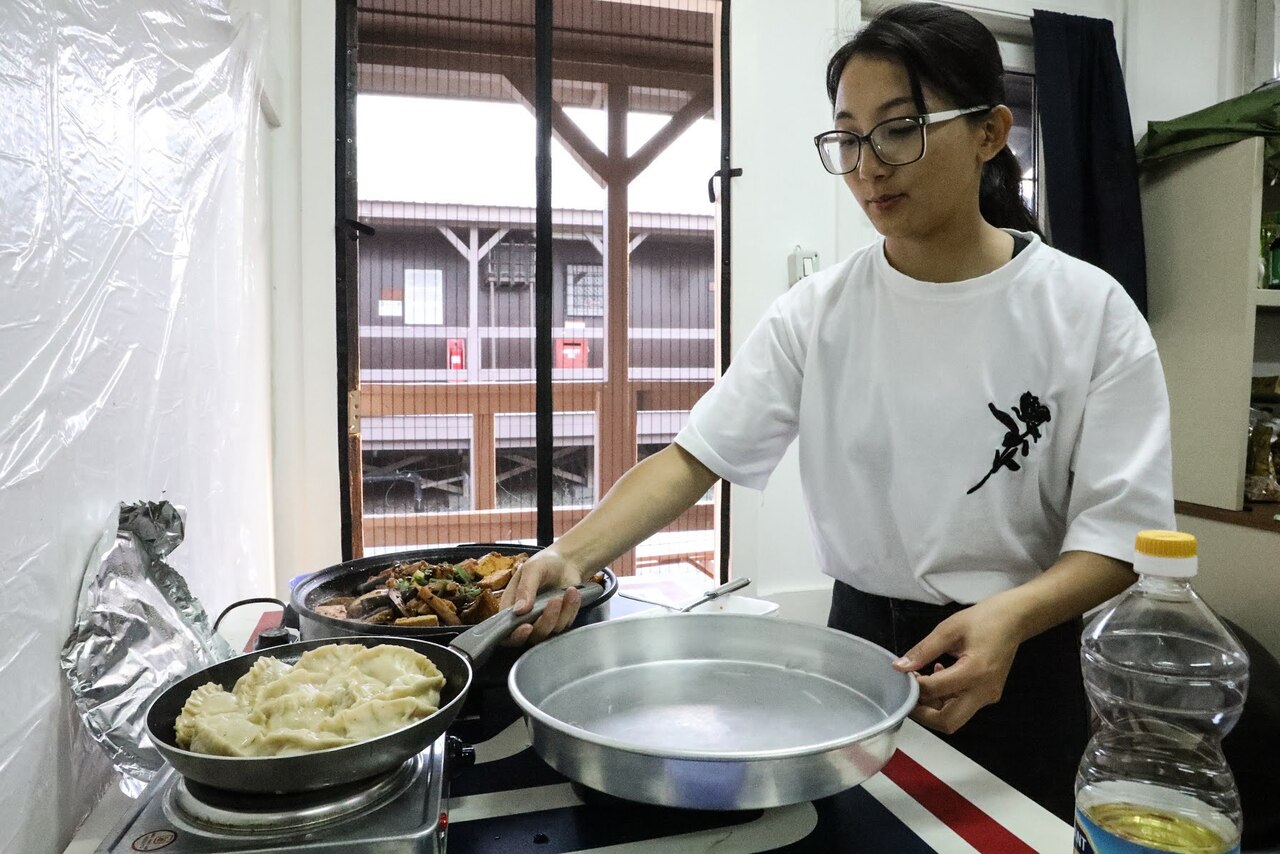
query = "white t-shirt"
{"x": 955, "y": 438}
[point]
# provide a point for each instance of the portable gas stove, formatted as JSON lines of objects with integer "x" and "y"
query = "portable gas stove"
{"x": 402, "y": 812}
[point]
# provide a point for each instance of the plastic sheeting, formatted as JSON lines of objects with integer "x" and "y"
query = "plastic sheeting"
{"x": 134, "y": 349}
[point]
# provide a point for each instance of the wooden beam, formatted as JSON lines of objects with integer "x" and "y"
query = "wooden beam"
{"x": 440, "y": 399}
{"x": 403, "y": 461}
{"x": 484, "y": 464}
{"x": 414, "y": 216}
{"x": 401, "y": 69}
{"x": 668, "y": 396}
{"x": 355, "y": 471}
{"x": 592, "y": 160}
{"x": 462, "y": 248}
{"x": 529, "y": 464}
{"x": 617, "y": 412}
{"x": 474, "y": 255}
{"x": 702, "y": 102}
{"x": 490, "y": 526}
{"x": 460, "y": 399}
{"x": 490, "y": 243}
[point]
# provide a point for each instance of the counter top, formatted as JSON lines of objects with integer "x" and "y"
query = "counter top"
{"x": 928, "y": 798}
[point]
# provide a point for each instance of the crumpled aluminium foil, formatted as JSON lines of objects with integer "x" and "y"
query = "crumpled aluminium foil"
{"x": 137, "y": 629}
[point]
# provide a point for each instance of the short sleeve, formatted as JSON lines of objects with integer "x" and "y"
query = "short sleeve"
{"x": 1122, "y": 476}
{"x": 741, "y": 427}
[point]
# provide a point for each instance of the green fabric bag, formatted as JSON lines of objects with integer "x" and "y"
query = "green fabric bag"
{"x": 1254, "y": 114}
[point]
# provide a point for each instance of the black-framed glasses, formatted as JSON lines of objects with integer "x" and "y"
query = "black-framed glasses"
{"x": 896, "y": 142}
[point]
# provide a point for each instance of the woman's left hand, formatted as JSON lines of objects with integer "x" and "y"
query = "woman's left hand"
{"x": 982, "y": 639}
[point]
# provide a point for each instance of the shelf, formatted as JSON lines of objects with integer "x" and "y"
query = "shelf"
{"x": 1267, "y": 299}
{"x": 1261, "y": 516}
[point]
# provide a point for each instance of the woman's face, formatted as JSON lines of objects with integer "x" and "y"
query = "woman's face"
{"x": 917, "y": 199}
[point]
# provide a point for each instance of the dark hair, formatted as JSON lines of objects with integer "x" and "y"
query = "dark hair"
{"x": 954, "y": 54}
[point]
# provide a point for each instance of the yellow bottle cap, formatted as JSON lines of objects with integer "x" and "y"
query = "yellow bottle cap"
{"x": 1165, "y": 544}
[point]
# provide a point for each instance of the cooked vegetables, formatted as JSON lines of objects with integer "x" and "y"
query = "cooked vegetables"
{"x": 426, "y": 594}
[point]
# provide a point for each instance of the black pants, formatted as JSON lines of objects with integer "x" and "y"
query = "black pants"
{"x": 1034, "y": 736}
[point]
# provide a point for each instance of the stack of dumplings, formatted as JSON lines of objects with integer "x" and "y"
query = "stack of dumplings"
{"x": 335, "y": 695}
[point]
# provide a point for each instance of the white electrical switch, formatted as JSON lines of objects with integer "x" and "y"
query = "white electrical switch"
{"x": 801, "y": 263}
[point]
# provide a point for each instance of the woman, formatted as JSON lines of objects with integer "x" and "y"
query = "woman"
{"x": 983, "y": 421}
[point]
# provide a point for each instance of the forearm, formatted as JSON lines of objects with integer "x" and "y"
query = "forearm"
{"x": 644, "y": 501}
{"x": 1076, "y": 582}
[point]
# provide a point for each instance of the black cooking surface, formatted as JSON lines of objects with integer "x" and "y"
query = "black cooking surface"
{"x": 851, "y": 821}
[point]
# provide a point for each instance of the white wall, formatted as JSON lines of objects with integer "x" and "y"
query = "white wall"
{"x": 304, "y": 340}
{"x": 783, "y": 199}
{"x": 1184, "y": 55}
{"x": 1238, "y": 574}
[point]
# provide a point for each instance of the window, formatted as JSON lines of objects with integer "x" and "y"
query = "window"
{"x": 447, "y": 302}
{"x": 512, "y": 264}
{"x": 1020, "y": 95}
{"x": 424, "y": 297}
{"x": 584, "y": 288}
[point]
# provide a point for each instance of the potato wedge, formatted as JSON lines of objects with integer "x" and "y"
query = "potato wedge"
{"x": 497, "y": 580}
{"x": 423, "y": 620}
{"x": 444, "y": 609}
{"x": 482, "y": 608}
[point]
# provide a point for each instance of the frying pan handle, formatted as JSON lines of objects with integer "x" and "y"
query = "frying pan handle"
{"x": 479, "y": 641}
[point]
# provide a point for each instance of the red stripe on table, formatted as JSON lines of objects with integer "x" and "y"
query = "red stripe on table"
{"x": 953, "y": 809}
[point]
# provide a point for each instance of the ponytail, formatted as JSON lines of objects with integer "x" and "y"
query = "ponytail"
{"x": 1000, "y": 194}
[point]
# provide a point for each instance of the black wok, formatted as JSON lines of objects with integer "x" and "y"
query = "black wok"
{"x": 349, "y": 763}
{"x": 341, "y": 580}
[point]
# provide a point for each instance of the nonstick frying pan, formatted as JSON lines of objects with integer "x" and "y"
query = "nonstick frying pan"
{"x": 349, "y": 763}
{"x": 342, "y": 579}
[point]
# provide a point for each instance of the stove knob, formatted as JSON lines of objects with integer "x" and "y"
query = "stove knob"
{"x": 459, "y": 754}
{"x": 274, "y": 636}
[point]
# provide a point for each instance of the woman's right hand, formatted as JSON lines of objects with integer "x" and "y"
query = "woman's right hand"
{"x": 546, "y": 569}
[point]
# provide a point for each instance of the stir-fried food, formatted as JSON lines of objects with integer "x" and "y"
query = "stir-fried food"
{"x": 419, "y": 593}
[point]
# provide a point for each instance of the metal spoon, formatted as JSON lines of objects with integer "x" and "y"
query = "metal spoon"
{"x": 716, "y": 593}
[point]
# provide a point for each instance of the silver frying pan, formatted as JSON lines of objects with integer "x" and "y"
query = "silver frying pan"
{"x": 712, "y": 711}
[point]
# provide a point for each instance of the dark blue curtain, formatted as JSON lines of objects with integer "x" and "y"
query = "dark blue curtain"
{"x": 1091, "y": 171}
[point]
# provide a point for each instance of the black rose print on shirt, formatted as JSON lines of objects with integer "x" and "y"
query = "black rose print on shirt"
{"x": 1032, "y": 413}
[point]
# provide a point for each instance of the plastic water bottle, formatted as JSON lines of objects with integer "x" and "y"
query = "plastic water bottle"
{"x": 1167, "y": 681}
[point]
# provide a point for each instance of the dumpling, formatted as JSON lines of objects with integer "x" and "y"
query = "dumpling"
{"x": 263, "y": 672}
{"x": 388, "y": 663}
{"x": 227, "y": 734}
{"x": 329, "y": 658}
{"x": 209, "y": 700}
{"x": 298, "y": 710}
{"x": 377, "y": 717}
{"x": 335, "y": 695}
{"x": 285, "y": 742}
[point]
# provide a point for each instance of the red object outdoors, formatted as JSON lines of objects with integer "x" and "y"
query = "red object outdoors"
{"x": 457, "y": 354}
{"x": 571, "y": 353}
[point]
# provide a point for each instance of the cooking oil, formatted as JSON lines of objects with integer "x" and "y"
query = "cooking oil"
{"x": 1156, "y": 829}
{"x": 1166, "y": 680}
